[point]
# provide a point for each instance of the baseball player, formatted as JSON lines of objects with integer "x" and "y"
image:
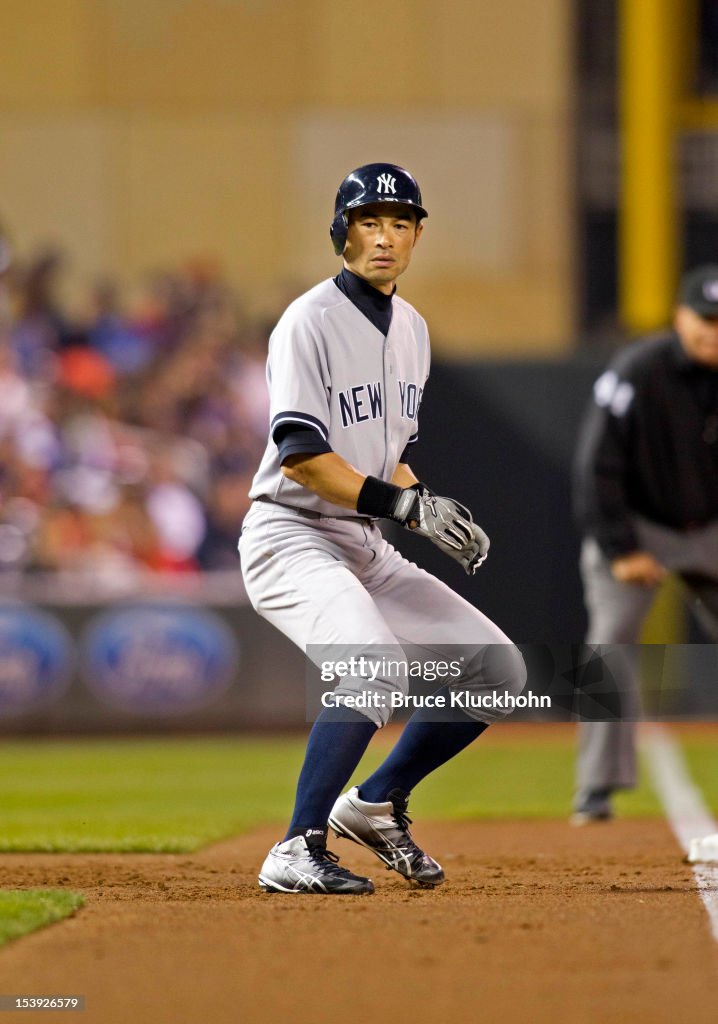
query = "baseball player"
{"x": 647, "y": 501}
{"x": 348, "y": 363}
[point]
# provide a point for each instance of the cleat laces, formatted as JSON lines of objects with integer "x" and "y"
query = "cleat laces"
{"x": 327, "y": 861}
{"x": 400, "y": 804}
{"x": 402, "y": 819}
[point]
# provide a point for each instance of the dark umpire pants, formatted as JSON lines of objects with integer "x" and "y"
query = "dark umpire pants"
{"x": 616, "y": 611}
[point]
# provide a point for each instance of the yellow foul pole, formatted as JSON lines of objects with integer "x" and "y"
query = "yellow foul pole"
{"x": 652, "y": 55}
{"x": 650, "y": 58}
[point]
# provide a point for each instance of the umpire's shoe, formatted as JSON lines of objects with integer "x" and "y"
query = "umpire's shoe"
{"x": 384, "y": 829}
{"x": 592, "y": 805}
{"x": 304, "y": 864}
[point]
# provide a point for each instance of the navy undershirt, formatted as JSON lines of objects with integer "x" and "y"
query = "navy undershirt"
{"x": 375, "y": 305}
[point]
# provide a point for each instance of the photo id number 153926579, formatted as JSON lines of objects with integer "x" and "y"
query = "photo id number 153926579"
{"x": 35, "y": 1002}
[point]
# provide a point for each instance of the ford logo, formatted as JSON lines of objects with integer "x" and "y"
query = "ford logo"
{"x": 36, "y": 659}
{"x": 159, "y": 659}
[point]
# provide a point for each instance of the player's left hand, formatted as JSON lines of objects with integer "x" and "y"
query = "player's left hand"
{"x": 450, "y": 526}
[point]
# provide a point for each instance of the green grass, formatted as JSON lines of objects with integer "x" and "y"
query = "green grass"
{"x": 525, "y": 779}
{"x": 140, "y": 795}
{"x": 159, "y": 795}
{"x": 175, "y": 795}
{"x": 702, "y": 759}
{"x": 517, "y": 778}
{"x": 25, "y": 910}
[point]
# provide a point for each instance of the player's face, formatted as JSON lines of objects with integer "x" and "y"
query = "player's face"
{"x": 380, "y": 241}
{"x": 699, "y": 336}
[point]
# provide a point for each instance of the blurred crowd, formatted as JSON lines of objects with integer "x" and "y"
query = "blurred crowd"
{"x": 129, "y": 429}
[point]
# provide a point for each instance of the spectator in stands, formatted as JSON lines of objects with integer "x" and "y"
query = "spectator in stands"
{"x": 126, "y": 430}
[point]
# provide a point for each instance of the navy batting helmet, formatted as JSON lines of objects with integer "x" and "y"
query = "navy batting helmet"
{"x": 372, "y": 183}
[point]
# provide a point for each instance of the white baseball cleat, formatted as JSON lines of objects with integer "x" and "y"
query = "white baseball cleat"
{"x": 384, "y": 829}
{"x": 305, "y": 865}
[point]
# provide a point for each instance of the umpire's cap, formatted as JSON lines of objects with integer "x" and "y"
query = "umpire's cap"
{"x": 699, "y": 290}
{"x": 372, "y": 183}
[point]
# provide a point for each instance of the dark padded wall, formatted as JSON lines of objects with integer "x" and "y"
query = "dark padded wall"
{"x": 500, "y": 438}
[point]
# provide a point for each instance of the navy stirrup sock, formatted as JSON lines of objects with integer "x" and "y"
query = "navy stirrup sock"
{"x": 335, "y": 747}
{"x": 424, "y": 745}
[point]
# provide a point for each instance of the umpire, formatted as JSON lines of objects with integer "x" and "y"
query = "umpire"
{"x": 646, "y": 489}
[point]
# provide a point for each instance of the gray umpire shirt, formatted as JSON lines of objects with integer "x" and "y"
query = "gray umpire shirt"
{"x": 332, "y": 371}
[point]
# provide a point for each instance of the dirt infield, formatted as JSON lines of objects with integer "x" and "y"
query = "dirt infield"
{"x": 537, "y": 922}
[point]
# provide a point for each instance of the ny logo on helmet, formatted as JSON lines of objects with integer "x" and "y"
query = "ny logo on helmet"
{"x": 386, "y": 184}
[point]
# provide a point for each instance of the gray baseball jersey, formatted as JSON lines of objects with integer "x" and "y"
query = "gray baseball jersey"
{"x": 331, "y": 371}
{"x": 334, "y": 585}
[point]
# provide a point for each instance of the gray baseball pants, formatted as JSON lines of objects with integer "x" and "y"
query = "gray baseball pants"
{"x": 338, "y": 583}
{"x": 616, "y": 611}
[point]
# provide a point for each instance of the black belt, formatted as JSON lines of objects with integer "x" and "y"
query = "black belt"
{"x": 308, "y": 513}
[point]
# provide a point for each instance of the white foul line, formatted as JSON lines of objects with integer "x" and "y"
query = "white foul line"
{"x": 685, "y": 808}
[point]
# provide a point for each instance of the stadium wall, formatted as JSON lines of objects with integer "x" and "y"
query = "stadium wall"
{"x": 138, "y": 135}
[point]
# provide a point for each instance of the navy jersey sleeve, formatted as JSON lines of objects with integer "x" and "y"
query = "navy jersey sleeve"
{"x": 293, "y": 440}
{"x": 404, "y": 457}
